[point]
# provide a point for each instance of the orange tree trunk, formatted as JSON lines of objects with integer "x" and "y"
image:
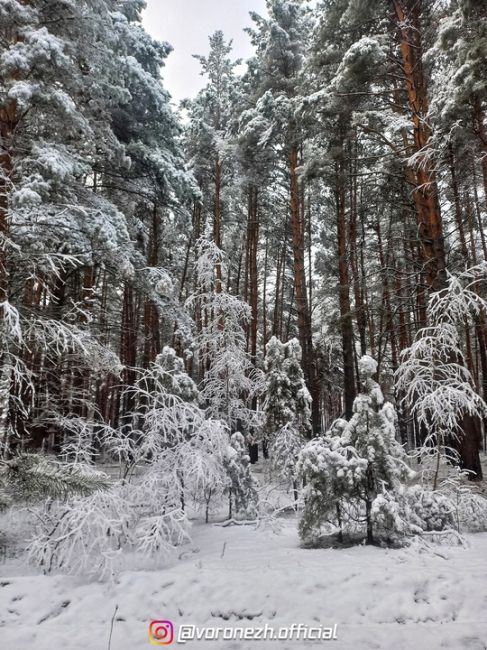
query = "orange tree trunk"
{"x": 425, "y": 192}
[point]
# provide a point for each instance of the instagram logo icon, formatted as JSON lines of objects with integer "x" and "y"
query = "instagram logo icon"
{"x": 161, "y": 632}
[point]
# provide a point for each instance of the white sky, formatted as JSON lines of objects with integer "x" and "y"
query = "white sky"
{"x": 187, "y": 24}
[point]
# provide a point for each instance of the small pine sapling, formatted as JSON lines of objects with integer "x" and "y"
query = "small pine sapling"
{"x": 287, "y": 407}
{"x": 278, "y": 403}
{"x": 284, "y": 452}
{"x": 243, "y": 496}
{"x": 334, "y": 473}
{"x": 346, "y": 470}
{"x": 299, "y": 392}
{"x": 372, "y": 432}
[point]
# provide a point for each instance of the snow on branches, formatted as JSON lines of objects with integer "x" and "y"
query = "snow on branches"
{"x": 433, "y": 379}
{"x": 287, "y": 407}
{"x": 231, "y": 381}
{"x": 353, "y": 464}
{"x": 174, "y": 457}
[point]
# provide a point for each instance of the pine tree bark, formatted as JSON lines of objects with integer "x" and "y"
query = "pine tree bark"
{"x": 353, "y": 235}
{"x": 298, "y": 244}
{"x": 217, "y": 221}
{"x": 425, "y": 192}
{"x": 479, "y": 128}
{"x": 128, "y": 353}
{"x": 8, "y": 122}
{"x": 152, "y": 342}
{"x": 386, "y": 295}
{"x": 264, "y": 299}
{"x": 253, "y": 242}
{"x": 480, "y": 225}
{"x": 344, "y": 291}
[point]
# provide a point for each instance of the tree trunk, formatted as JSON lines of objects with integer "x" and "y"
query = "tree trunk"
{"x": 152, "y": 344}
{"x": 479, "y": 128}
{"x": 298, "y": 243}
{"x": 344, "y": 293}
{"x": 264, "y": 299}
{"x": 425, "y": 192}
{"x": 8, "y": 122}
{"x": 252, "y": 270}
{"x": 354, "y": 265}
{"x": 217, "y": 221}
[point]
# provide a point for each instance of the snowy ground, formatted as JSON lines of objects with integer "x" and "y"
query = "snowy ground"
{"x": 238, "y": 576}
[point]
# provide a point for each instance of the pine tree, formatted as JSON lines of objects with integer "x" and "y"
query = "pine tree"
{"x": 279, "y": 41}
{"x": 243, "y": 488}
{"x": 287, "y": 397}
{"x": 300, "y": 396}
{"x": 230, "y": 379}
{"x": 437, "y": 386}
{"x": 75, "y": 209}
{"x": 278, "y": 405}
{"x": 287, "y": 407}
{"x": 355, "y": 463}
{"x": 372, "y": 432}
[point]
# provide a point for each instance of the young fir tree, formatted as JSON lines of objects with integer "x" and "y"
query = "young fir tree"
{"x": 334, "y": 473}
{"x": 194, "y": 452}
{"x": 356, "y": 466}
{"x": 175, "y": 377}
{"x": 287, "y": 407}
{"x": 372, "y": 432}
{"x": 301, "y": 397}
{"x": 287, "y": 397}
{"x": 279, "y": 404}
{"x": 230, "y": 380}
{"x": 243, "y": 487}
{"x": 284, "y": 453}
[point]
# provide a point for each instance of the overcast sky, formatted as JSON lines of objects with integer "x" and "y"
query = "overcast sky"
{"x": 186, "y": 24}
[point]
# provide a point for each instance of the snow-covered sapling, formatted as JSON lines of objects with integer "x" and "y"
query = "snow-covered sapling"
{"x": 243, "y": 499}
{"x": 354, "y": 463}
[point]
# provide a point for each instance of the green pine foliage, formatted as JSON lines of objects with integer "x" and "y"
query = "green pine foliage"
{"x": 32, "y": 477}
{"x": 287, "y": 397}
{"x": 353, "y": 465}
{"x": 243, "y": 486}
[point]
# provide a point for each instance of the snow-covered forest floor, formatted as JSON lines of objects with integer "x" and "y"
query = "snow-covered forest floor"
{"x": 243, "y": 576}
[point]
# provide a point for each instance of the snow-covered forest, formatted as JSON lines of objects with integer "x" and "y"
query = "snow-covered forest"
{"x": 243, "y": 339}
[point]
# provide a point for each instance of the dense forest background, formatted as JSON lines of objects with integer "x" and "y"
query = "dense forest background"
{"x": 326, "y": 194}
